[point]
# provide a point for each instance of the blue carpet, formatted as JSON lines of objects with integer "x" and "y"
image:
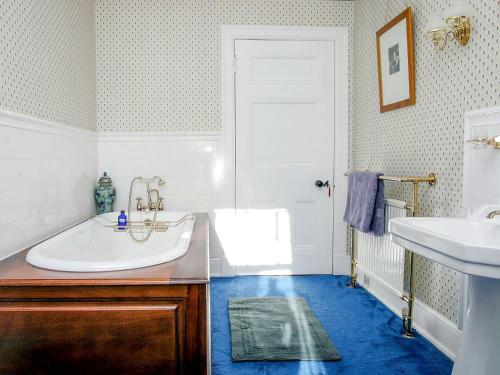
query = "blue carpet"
{"x": 365, "y": 332}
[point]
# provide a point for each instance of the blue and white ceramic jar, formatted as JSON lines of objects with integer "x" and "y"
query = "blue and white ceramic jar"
{"x": 104, "y": 194}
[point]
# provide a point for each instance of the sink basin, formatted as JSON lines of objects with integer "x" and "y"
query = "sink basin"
{"x": 471, "y": 246}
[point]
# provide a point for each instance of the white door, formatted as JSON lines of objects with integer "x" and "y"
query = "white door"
{"x": 284, "y": 143}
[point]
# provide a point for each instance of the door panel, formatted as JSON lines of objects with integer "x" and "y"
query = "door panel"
{"x": 270, "y": 121}
{"x": 305, "y": 219}
{"x": 284, "y": 143}
{"x": 284, "y": 69}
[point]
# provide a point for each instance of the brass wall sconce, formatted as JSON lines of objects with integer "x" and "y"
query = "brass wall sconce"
{"x": 457, "y": 26}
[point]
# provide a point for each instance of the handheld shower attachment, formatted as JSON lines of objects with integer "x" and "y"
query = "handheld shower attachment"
{"x": 153, "y": 207}
{"x": 151, "y": 180}
{"x": 147, "y": 180}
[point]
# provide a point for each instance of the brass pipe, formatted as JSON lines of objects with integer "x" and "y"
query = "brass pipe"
{"x": 410, "y": 299}
{"x": 431, "y": 179}
{"x": 352, "y": 280}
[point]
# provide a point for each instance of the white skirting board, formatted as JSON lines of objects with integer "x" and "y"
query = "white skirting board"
{"x": 436, "y": 328}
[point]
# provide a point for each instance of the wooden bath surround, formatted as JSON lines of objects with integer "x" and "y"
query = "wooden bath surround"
{"x": 151, "y": 320}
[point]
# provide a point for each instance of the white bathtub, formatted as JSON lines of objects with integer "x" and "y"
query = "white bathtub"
{"x": 91, "y": 247}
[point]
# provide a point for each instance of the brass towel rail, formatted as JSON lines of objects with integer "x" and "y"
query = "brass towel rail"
{"x": 407, "y": 313}
{"x": 431, "y": 179}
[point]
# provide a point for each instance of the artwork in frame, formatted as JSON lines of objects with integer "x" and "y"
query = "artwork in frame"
{"x": 396, "y": 76}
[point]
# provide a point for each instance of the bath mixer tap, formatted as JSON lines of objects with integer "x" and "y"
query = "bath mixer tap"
{"x": 153, "y": 205}
{"x": 139, "y": 205}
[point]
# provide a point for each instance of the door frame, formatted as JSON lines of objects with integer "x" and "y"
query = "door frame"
{"x": 339, "y": 37}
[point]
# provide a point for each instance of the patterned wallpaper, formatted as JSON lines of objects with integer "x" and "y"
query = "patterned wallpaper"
{"x": 47, "y": 63}
{"x": 428, "y": 136}
{"x": 158, "y": 62}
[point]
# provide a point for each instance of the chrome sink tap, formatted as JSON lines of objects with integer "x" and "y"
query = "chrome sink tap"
{"x": 492, "y": 214}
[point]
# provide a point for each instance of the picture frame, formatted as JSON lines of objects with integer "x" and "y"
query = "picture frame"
{"x": 396, "y": 76}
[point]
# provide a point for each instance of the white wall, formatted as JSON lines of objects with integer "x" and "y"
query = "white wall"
{"x": 47, "y": 179}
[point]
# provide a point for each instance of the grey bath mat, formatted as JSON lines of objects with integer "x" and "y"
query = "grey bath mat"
{"x": 277, "y": 329}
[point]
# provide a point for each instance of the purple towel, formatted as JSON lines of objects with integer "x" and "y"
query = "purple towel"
{"x": 365, "y": 209}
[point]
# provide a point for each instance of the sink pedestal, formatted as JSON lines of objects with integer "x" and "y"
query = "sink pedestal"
{"x": 479, "y": 351}
{"x": 470, "y": 246}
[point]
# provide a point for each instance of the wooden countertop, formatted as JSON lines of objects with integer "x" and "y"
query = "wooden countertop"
{"x": 191, "y": 268}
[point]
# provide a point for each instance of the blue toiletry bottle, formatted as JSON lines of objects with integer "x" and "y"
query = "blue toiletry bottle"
{"x": 122, "y": 220}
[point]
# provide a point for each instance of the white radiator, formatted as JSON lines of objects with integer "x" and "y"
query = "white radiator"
{"x": 379, "y": 255}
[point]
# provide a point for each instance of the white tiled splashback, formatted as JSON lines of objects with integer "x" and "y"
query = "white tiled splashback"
{"x": 189, "y": 168}
{"x": 481, "y": 165}
{"x": 48, "y": 175}
{"x": 192, "y": 167}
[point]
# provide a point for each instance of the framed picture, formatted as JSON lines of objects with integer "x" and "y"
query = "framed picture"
{"x": 396, "y": 77}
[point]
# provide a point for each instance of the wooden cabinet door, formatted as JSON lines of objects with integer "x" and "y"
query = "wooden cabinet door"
{"x": 91, "y": 337}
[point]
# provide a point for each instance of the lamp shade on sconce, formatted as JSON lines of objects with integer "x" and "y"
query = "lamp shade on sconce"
{"x": 435, "y": 23}
{"x": 459, "y": 8}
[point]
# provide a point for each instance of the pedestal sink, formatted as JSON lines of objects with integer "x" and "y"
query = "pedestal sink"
{"x": 471, "y": 246}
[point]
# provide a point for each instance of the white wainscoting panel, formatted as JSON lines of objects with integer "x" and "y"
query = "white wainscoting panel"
{"x": 48, "y": 171}
{"x": 481, "y": 164}
{"x": 481, "y": 176}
